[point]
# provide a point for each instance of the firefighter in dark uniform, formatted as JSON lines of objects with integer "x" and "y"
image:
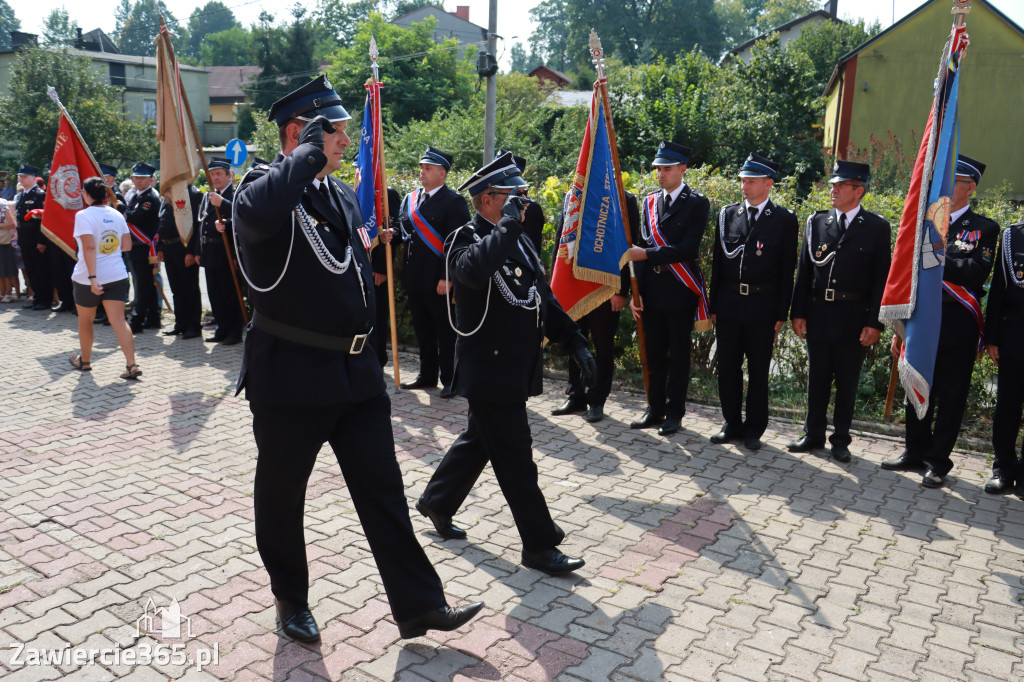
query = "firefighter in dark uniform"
{"x": 600, "y": 325}
{"x": 182, "y": 269}
{"x": 220, "y": 284}
{"x": 31, "y": 241}
{"x": 143, "y": 216}
{"x": 840, "y": 278}
{"x": 1004, "y": 327}
{"x": 382, "y": 326}
{"x": 504, "y": 310}
{"x": 970, "y": 250}
{"x": 306, "y": 375}
{"x": 428, "y": 215}
{"x": 751, "y": 286}
{"x": 672, "y": 224}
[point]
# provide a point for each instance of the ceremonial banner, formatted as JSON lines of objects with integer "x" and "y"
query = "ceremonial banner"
{"x": 592, "y": 250}
{"x": 72, "y": 163}
{"x": 369, "y": 180}
{"x": 912, "y": 302}
{"x": 179, "y": 155}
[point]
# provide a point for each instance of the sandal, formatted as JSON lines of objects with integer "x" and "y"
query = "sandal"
{"x": 81, "y": 365}
{"x": 131, "y": 372}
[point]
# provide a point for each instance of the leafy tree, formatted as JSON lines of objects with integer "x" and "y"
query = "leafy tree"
{"x": 59, "y": 28}
{"x": 550, "y": 39}
{"x": 30, "y": 118}
{"x": 8, "y": 23}
{"x": 400, "y": 7}
{"x": 284, "y": 53}
{"x": 213, "y": 17}
{"x": 420, "y": 76}
{"x": 226, "y": 48}
{"x": 826, "y": 42}
{"x": 523, "y": 62}
{"x": 779, "y": 12}
{"x": 339, "y": 20}
{"x": 138, "y": 23}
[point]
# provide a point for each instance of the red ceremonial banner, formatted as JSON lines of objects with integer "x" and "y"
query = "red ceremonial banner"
{"x": 72, "y": 163}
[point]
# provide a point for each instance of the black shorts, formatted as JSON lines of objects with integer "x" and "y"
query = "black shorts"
{"x": 113, "y": 291}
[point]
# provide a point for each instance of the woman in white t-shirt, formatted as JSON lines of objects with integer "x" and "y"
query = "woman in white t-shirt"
{"x": 100, "y": 275}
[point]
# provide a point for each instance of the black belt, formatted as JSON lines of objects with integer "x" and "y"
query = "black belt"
{"x": 170, "y": 242}
{"x": 353, "y": 345}
{"x": 832, "y": 295}
{"x": 745, "y": 289}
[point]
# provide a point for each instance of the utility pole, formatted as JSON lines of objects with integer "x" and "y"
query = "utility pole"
{"x": 490, "y": 112}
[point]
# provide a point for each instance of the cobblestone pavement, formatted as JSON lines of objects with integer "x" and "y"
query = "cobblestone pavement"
{"x": 703, "y": 562}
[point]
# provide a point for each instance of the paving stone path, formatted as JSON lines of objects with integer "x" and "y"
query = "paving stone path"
{"x": 704, "y": 562}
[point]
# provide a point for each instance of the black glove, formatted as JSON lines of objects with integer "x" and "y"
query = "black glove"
{"x": 314, "y": 131}
{"x": 588, "y": 367}
{"x": 514, "y": 206}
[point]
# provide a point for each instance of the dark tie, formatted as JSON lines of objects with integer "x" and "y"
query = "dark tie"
{"x": 668, "y": 200}
{"x": 325, "y": 189}
{"x": 422, "y": 198}
{"x": 842, "y": 224}
{"x": 753, "y": 215}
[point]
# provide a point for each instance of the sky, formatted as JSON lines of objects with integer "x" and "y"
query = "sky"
{"x": 513, "y": 23}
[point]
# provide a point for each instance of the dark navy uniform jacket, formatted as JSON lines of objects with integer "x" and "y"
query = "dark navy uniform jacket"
{"x": 768, "y": 260}
{"x": 856, "y": 275}
{"x": 210, "y": 244}
{"x": 683, "y": 225}
{"x": 445, "y": 210}
{"x": 502, "y": 361}
{"x": 144, "y": 213}
{"x": 29, "y": 233}
{"x": 967, "y": 264}
{"x": 1004, "y": 317}
{"x": 308, "y": 297}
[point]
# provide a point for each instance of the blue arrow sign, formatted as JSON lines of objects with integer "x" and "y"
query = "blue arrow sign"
{"x": 237, "y": 152}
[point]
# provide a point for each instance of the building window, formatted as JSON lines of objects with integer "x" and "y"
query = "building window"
{"x": 149, "y": 109}
{"x": 117, "y": 75}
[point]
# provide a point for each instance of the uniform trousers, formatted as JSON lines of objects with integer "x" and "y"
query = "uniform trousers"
{"x": 1006, "y": 421}
{"x": 600, "y": 325}
{"x": 668, "y": 358}
{"x": 946, "y": 403}
{"x": 827, "y": 361}
{"x": 184, "y": 283}
{"x": 37, "y": 265}
{"x": 224, "y": 301}
{"x": 382, "y": 325}
{"x": 498, "y": 433}
{"x": 734, "y": 340}
{"x": 145, "y": 309}
{"x": 434, "y": 335}
{"x": 288, "y": 439}
{"x": 61, "y": 266}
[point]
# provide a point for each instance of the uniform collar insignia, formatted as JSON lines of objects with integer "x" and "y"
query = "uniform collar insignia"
{"x": 829, "y": 221}
{"x": 768, "y": 210}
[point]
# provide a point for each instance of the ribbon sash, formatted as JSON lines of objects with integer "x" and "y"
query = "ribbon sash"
{"x": 430, "y": 236}
{"x": 693, "y": 280}
{"x": 967, "y": 299}
{"x": 141, "y": 236}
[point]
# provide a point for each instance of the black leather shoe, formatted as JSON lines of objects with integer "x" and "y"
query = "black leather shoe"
{"x": 136, "y": 326}
{"x": 30, "y": 305}
{"x": 998, "y": 484}
{"x": 173, "y": 332}
{"x": 752, "y": 443}
{"x": 191, "y": 334}
{"x": 232, "y": 340}
{"x": 40, "y": 306}
{"x": 904, "y": 462}
{"x": 669, "y": 426}
{"x": 448, "y": 392}
{"x": 841, "y": 453}
{"x": 445, "y": 619}
{"x": 570, "y": 406}
{"x": 648, "y": 420}
{"x": 419, "y": 382}
{"x": 805, "y": 444}
{"x": 442, "y": 524}
{"x": 217, "y": 338}
{"x": 932, "y": 479}
{"x": 722, "y": 437}
{"x": 595, "y": 413}
{"x": 551, "y": 561}
{"x": 297, "y": 622}
{"x": 152, "y": 324}
{"x": 64, "y": 308}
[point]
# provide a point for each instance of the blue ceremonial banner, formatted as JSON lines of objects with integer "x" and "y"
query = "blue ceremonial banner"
{"x": 368, "y": 176}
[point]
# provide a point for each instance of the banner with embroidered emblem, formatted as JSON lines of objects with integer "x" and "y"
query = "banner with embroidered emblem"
{"x": 592, "y": 250}
{"x": 369, "y": 180}
{"x": 430, "y": 236}
{"x": 693, "y": 279}
{"x": 72, "y": 163}
{"x": 912, "y": 302}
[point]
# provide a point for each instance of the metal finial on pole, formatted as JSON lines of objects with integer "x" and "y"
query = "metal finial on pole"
{"x": 374, "y": 55}
{"x": 597, "y": 54}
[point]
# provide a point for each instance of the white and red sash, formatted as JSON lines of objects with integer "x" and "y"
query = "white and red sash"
{"x": 151, "y": 243}
{"x": 967, "y": 299}
{"x": 430, "y": 236}
{"x": 693, "y": 280}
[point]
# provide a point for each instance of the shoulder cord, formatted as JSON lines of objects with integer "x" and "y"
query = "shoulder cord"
{"x": 448, "y": 298}
{"x": 1011, "y": 276}
{"x": 829, "y": 260}
{"x": 740, "y": 250}
{"x": 645, "y": 227}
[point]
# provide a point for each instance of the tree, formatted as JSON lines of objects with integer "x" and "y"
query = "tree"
{"x": 213, "y": 17}
{"x": 8, "y": 23}
{"x": 419, "y": 74}
{"x": 826, "y": 42}
{"x": 226, "y": 48}
{"x": 59, "y": 29}
{"x": 138, "y": 23}
{"x": 285, "y": 55}
{"x": 522, "y": 62}
{"x": 400, "y": 7}
{"x": 778, "y": 12}
{"x": 550, "y": 39}
{"x": 339, "y": 20}
{"x": 30, "y": 118}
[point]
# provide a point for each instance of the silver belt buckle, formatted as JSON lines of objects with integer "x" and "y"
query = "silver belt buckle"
{"x": 744, "y": 289}
{"x": 830, "y": 295}
{"x": 358, "y": 344}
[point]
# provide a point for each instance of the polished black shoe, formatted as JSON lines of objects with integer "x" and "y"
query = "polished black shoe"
{"x": 40, "y": 306}
{"x": 445, "y": 619}
{"x": 135, "y": 326}
{"x": 752, "y": 443}
{"x": 904, "y": 462}
{"x": 723, "y": 437}
{"x": 841, "y": 453}
{"x": 297, "y": 622}
{"x": 152, "y": 324}
{"x": 232, "y": 340}
{"x": 447, "y": 392}
{"x": 29, "y": 305}
{"x": 173, "y": 332}
{"x": 191, "y": 334}
{"x": 648, "y": 420}
{"x": 669, "y": 426}
{"x": 551, "y": 561}
{"x": 418, "y": 382}
{"x": 932, "y": 479}
{"x": 998, "y": 484}
{"x": 63, "y": 308}
{"x": 805, "y": 444}
{"x": 217, "y": 338}
{"x": 442, "y": 524}
{"x": 595, "y": 413}
{"x": 570, "y": 406}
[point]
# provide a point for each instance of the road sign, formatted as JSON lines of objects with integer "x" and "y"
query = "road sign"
{"x": 236, "y": 152}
